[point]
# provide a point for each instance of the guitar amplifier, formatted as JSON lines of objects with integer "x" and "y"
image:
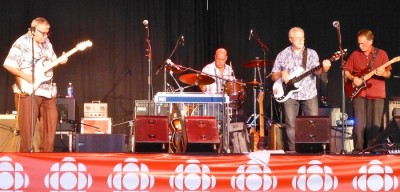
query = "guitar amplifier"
{"x": 96, "y": 125}
{"x": 142, "y": 108}
{"x": 394, "y": 109}
{"x": 95, "y": 109}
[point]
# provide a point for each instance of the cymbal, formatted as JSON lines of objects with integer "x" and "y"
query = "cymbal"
{"x": 196, "y": 79}
{"x": 175, "y": 69}
{"x": 257, "y": 63}
{"x": 253, "y": 83}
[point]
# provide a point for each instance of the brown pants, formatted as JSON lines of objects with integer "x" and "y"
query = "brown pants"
{"x": 45, "y": 110}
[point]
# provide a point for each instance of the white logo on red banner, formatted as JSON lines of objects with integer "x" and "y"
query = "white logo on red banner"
{"x": 192, "y": 177}
{"x": 12, "y": 176}
{"x": 315, "y": 177}
{"x": 375, "y": 177}
{"x": 130, "y": 176}
{"x": 254, "y": 177}
{"x": 68, "y": 176}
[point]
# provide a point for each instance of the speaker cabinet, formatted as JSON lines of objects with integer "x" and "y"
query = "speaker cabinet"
{"x": 312, "y": 134}
{"x": 63, "y": 141}
{"x": 200, "y": 134}
{"x": 67, "y": 109}
{"x": 100, "y": 143}
{"x": 394, "y": 109}
{"x": 142, "y": 108}
{"x": 9, "y": 137}
{"x": 151, "y": 134}
{"x": 96, "y": 125}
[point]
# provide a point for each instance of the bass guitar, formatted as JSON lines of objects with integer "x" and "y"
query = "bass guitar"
{"x": 353, "y": 90}
{"x": 283, "y": 91}
{"x": 41, "y": 69}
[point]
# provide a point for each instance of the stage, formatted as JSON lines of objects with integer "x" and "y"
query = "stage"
{"x": 257, "y": 171}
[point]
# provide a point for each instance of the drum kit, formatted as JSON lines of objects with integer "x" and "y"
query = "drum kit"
{"x": 235, "y": 89}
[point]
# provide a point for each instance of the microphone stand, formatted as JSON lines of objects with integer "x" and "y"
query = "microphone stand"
{"x": 31, "y": 148}
{"x": 265, "y": 49}
{"x": 169, "y": 57}
{"x": 343, "y": 151}
{"x": 149, "y": 77}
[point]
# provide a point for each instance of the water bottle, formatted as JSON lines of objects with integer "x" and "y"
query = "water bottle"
{"x": 70, "y": 90}
{"x": 53, "y": 90}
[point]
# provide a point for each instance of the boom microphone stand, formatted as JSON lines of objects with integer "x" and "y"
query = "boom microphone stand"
{"x": 336, "y": 24}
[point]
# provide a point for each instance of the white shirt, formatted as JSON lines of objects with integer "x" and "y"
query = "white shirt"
{"x": 217, "y": 86}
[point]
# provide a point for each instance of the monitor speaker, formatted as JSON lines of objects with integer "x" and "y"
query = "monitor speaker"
{"x": 151, "y": 134}
{"x": 200, "y": 134}
{"x": 312, "y": 134}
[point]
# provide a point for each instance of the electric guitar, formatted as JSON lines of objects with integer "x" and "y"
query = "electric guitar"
{"x": 41, "y": 69}
{"x": 263, "y": 140}
{"x": 283, "y": 91}
{"x": 353, "y": 90}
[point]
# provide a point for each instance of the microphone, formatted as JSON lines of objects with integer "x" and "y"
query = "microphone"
{"x": 145, "y": 23}
{"x": 169, "y": 62}
{"x": 251, "y": 34}
{"x": 336, "y": 24}
{"x": 183, "y": 40}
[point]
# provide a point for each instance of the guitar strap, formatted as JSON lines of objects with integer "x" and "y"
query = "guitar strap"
{"x": 304, "y": 61}
{"x": 373, "y": 59}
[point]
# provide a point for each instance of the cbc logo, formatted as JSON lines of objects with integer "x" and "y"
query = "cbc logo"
{"x": 130, "y": 176}
{"x": 315, "y": 177}
{"x": 254, "y": 177}
{"x": 193, "y": 177}
{"x": 12, "y": 176}
{"x": 68, "y": 176}
{"x": 376, "y": 177}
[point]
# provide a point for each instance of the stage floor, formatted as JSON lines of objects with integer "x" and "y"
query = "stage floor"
{"x": 256, "y": 171}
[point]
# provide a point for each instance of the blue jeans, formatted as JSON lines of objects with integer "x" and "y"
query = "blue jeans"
{"x": 291, "y": 108}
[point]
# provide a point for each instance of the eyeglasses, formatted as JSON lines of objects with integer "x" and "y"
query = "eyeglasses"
{"x": 44, "y": 33}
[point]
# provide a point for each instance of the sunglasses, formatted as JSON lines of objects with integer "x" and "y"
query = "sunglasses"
{"x": 44, "y": 33}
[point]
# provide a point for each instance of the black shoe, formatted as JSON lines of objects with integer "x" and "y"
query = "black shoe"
{"x": 355, "y": 152}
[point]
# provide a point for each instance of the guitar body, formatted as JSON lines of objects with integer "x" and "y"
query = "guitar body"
{"x": 40, "y": 69}
{"x": 353, "y": 91}
{"x": 176, "y": 140}
{"x": 40, "y": 77}
{"x": 283, "y": 91}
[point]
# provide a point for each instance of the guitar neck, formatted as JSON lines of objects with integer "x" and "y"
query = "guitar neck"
{"x": 261, "y": 106}
{"x": 59, "y": 59}
{"x": 300, "y": 77}
{"x": 372, "y": 73}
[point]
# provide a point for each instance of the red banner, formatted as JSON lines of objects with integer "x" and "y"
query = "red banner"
{"x": 258, "y": 171}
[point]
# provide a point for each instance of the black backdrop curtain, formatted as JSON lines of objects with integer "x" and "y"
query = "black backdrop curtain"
{"x": 115, "y": 69}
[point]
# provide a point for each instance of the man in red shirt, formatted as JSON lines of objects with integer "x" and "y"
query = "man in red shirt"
{"x": 368, "y": 104}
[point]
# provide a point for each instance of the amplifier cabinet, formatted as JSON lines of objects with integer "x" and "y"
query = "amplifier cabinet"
{"x": 151, "y": 134}
{"x": 394, "y": 107}
{"x": 63, "y": 141}
{"x": 142, "y": 108}
{"x": 200, "y": 134}
{"x": 100, "y": 125}
{"x": 100, "y": 143}
{"x": 95, "y": 109}
{"x": 67, "y": 109}
{"x": 9, "y": 139}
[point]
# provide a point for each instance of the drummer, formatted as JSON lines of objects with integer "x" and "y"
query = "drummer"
{"x": 218, "y": 68}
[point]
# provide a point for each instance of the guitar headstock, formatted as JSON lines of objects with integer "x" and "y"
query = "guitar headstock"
{"x": 338, "y": 54}
{"x": 396, "y": 59}
{"x": 83, "y": 45}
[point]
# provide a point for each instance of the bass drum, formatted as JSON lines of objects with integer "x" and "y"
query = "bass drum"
{"x": 236, "y": 92}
